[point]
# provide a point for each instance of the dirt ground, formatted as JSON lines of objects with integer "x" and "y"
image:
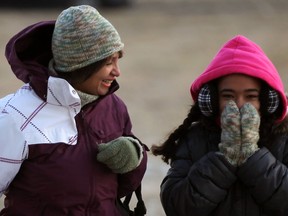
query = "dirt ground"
{"x": 167, "y": 44}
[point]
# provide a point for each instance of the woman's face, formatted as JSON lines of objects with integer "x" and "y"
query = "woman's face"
{"x": 239, "y": 88}
{"x": 99, "y": 82}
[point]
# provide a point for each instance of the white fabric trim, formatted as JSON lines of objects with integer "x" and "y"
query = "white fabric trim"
{"x": 36, "y": 118}
{"x": 13, "y": 150}
{"x": 25, "y": 119}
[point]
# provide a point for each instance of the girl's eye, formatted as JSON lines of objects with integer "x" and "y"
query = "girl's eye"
{"x": 227, "y": 96}
{"x": 253, "y": 96}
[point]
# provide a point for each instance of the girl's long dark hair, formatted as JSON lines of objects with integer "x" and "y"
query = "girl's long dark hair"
{"x": 169, "y": 147}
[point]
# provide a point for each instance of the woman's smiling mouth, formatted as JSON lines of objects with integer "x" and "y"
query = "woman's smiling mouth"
{"x": 107, "y": 82}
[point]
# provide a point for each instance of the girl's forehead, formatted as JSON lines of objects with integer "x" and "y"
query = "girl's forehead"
{"x": 238, "y": 80}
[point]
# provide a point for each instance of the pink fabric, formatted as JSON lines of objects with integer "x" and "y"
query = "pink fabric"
{"x": 240, "y": 55}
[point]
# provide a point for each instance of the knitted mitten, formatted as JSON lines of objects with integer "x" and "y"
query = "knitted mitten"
{"x": 250, "y": 122}
{"x": 230, "y": 136}
{"x": 120, "y": 155}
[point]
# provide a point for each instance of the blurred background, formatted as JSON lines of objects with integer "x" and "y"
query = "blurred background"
{"x": 167, "y": 44}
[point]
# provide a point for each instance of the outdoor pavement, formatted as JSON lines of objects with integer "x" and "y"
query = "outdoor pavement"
{"x": 167, "y": 44}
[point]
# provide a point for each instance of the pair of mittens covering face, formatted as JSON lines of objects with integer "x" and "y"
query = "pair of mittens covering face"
{"x": 240, "y": 132}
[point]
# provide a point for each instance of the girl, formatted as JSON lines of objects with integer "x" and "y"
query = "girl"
{"x": 230, "y": 155}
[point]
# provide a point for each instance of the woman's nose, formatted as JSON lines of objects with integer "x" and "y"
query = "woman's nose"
{"x": 116, "y": 71}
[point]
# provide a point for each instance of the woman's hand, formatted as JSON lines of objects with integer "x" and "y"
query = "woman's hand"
{"x": 120, "y": 155}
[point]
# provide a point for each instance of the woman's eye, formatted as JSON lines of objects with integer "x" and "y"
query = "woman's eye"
{"x": 111, "y": 61}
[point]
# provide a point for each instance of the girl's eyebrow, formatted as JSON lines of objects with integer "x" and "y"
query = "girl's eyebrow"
{"x": 246, "y": 90}
{"x": 252, "y": 90}
{"x": 226, "y": 90}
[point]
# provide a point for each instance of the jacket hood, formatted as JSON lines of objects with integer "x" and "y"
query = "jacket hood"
{"x": 28, "y": 54}
{"x": 242, "y": 56}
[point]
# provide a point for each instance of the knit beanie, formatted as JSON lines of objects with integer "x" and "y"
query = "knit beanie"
{"x": 81, "y": 37}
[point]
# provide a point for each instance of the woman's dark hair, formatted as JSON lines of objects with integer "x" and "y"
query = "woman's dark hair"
{"x": 82, "y": 74}
{"x": 169, "y": 147}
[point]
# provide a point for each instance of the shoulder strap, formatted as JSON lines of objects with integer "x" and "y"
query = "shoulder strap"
{"x": 140, "y": 209}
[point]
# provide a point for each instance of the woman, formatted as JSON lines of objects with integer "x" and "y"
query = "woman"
{"x": 230, "y": 155}
{"x": 66, "y": 142}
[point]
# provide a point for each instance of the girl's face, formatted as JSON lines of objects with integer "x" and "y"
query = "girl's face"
{"x": 99, "y": 82}
{"x": 239, "y": 88}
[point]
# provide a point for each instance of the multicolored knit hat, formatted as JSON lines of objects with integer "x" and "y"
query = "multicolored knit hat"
{"x": 81, "y": 37}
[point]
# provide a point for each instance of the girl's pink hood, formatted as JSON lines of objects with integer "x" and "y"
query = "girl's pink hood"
{"x": 240, "y": 55}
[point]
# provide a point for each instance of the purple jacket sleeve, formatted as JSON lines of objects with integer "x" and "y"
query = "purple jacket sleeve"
{"x": 128, "y": 182}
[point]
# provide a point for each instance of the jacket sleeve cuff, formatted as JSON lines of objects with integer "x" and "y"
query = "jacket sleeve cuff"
{"x": 139, "y": 148}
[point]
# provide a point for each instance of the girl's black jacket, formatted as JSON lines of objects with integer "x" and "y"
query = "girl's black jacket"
{"x": 201, "y": 182}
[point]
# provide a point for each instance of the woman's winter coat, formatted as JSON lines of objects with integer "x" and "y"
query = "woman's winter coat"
{"x": 46, "y": 132}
